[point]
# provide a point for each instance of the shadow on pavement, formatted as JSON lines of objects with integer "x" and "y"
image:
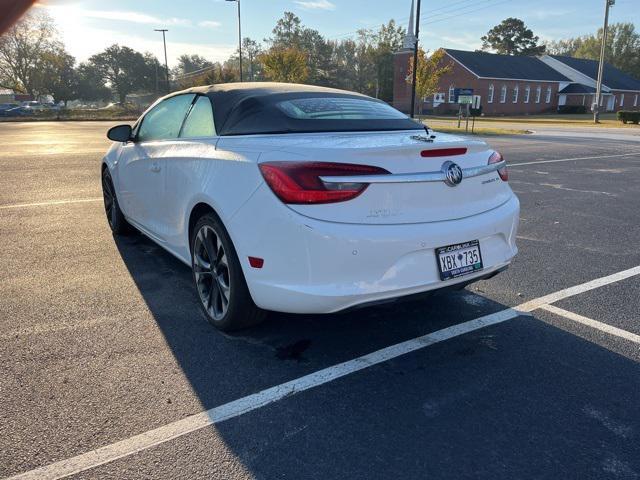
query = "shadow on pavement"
{"x": 224, "y": 367}
{"x": 517, "y": 400}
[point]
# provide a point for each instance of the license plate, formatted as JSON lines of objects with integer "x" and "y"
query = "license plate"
{"x": 458, "y": 260}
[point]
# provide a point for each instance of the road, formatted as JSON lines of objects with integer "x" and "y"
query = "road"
{"x": 627, "y": 133}
{"x": 109, "y": 370}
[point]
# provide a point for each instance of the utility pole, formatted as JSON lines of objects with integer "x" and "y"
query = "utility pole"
{"x": 250, "y": 53}
{"x": 603, "y": 46}
{"x": 239, "y": 36}
{"x": 415, "y": 63}
{"x": 166, "y": 65}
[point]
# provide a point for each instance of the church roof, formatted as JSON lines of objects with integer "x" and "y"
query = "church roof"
{"x": 511, "y": 67}
{"x": 611, "y": 76}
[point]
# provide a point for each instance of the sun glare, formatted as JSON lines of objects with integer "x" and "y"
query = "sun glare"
{"x": 74, "y": 29}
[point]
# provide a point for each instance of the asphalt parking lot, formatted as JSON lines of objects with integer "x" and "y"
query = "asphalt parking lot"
{"x": 109, "y": 370}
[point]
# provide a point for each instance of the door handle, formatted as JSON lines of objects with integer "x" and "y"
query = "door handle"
{"x": 155, "y": 168}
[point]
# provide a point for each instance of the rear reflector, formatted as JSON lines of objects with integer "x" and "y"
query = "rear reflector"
{"x": 443, "y": 152}
{"x": 256, "y": 262}
{"x": 300, "y": 182}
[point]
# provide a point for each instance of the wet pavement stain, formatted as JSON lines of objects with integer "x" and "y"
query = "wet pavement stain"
{"x": 294, "y": 350}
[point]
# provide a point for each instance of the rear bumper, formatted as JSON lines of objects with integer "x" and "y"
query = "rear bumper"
{"x": 414, "y": 297}
{"x": 314, "y": 266}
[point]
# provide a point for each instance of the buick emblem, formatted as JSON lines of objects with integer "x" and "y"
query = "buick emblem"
{"x": 452, "y": 173}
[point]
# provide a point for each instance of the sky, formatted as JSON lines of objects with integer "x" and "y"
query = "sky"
{"x": 209, "y": 27}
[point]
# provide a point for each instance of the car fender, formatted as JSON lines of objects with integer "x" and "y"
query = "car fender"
{"x": 111, "y": 159}
{"x": 225, "y": 216}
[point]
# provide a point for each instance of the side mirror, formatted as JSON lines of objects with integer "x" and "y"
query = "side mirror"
{"x": 119, "y": 133}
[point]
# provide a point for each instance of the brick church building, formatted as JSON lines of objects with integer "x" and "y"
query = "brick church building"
{"x": 516, "y": 85}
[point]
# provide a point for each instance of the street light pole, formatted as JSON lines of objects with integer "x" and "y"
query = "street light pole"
{"x": 166, "y": 65}
{"x": 239, "y": 36}
{"x": 603, "y": 46}
{"x": 415, "y": 64}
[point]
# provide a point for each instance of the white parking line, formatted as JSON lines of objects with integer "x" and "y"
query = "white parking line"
{"x": 559, "y": 160}
{"x": 146, "y": 440}
{"x": 603, "y": 327}
{"x": 51, "y": 202}
{"x": 583, "y": 287}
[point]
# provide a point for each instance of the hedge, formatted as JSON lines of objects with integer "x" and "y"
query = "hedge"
{"x": 627, "y": 116}
{"x": 572, "y": 109}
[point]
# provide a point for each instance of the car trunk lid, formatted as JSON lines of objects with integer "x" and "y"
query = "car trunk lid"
{"x": 416, "y": 190}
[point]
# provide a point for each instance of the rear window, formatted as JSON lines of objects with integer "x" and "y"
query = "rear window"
{"x": 311, "y": 112}
{"x": 338, "y": 108}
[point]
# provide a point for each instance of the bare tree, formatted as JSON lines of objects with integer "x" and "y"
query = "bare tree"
{"x": 23, "y": 52}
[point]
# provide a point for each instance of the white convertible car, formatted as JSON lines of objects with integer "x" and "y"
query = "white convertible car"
{"x": 307, "y": 200}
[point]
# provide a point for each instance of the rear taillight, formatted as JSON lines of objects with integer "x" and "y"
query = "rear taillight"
{"x": 496, "y": 157}
{"x": 300, "y": 182}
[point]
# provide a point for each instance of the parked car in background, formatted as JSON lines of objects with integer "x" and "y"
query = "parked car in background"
{"x": 54, "y": 107}
{"x": 85, "y": 106}
{"x": 35, "y": 106}
{"x": 17, "y": 111}
{"x": 6, "y": 106}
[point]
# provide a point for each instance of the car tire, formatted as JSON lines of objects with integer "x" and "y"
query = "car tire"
{"x": 220, "y": 284}
{"x": 115, "y": 217}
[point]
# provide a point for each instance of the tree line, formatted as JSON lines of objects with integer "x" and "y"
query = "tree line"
{"x": 34, "y": 61}
{"x": 297, "y": 53}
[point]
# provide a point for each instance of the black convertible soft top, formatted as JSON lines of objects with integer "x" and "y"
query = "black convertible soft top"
{"x": 267, "y": 108}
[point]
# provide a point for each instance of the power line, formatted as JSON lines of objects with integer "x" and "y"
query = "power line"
{"x": 430, "y": 11}
{"x": 405, "y": 19}
{"x": 463, "y": 8}
{"x": 469, "y": 11}
{"x": 445, "y": 14}
{"x": 195, "y": 72}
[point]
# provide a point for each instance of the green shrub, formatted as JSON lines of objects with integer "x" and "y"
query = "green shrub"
{"x": 572, "y": 109}
{"x": 627, "y": 116}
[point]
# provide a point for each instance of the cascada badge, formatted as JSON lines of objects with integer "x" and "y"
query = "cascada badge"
{"x": 452, "y": 173}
